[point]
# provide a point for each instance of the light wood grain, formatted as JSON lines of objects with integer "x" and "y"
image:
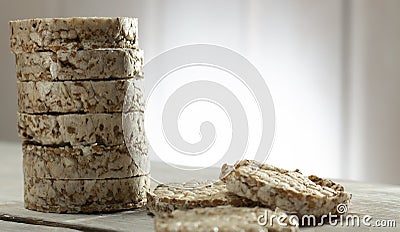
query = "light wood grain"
{"x": 136, "y": 220}
{"x": 7, "y": 226}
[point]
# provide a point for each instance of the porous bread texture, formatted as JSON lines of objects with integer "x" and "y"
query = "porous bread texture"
{"x": 98, "y": 64}
{"x": 84, "y": 196}
{"x": 54, "y": 34}
{"x": 78, "y": 96}
{"x": 83, "y": 162}
{"x": 289, "y": 190}
{"x": 134, "y": 132}
{"x": 82, "y": 129}
{"x": 223, "y": 219}
{"x": 195, "y": 194}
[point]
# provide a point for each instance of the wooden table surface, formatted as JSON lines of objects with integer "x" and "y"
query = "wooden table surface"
{"x": 381, "y": 202}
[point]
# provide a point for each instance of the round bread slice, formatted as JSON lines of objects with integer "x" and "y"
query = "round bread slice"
{"x": 82, "y": 162}
{"x": 225, "y": 218}
{"x": 78, "y": 96}
{"x": 98, "y": 64}
{"x": 85, "y": 196}
{"x": 53, "y": 34}
{"x": 289, "y": 190}
{"x": 81, "y": 129}
{"x": 167, "y": 198}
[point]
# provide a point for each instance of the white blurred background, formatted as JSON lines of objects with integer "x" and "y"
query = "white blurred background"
{"x": 332, "y": 66}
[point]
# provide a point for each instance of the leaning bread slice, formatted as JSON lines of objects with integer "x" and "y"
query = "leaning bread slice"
{"x": 225, "y": 218}
{"x": 77, "y": 96}
{"x": 169, "y": 197}
{"x": 44, "y": 34}
{"x": 80, "y": 129}
{"x": 98, "y": 64}
{"x": 83, "y": 162}
{"x": 84, "y": 196}
{"x": 289, "y": 190}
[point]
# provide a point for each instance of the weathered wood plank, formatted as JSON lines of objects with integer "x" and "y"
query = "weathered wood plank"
{"x": 7, "y": 226}
{"x": 136, "y": 220}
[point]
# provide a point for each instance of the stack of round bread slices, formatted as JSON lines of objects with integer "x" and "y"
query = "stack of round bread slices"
{"x": 72, "y": 77}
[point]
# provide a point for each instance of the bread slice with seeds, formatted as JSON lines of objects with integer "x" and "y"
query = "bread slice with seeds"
{"x": 81, "y": 33}
{"x": 225, "y": 219}
{"x": 41, "y": 97}
{"x": 82, "y": 129}
{"x": 83, "y": 162}
{"x": 85, "y": 196}
{"x": 195, "y": 194}
{"x": 289, "y": 190}
{"x": 98, "y": 64}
